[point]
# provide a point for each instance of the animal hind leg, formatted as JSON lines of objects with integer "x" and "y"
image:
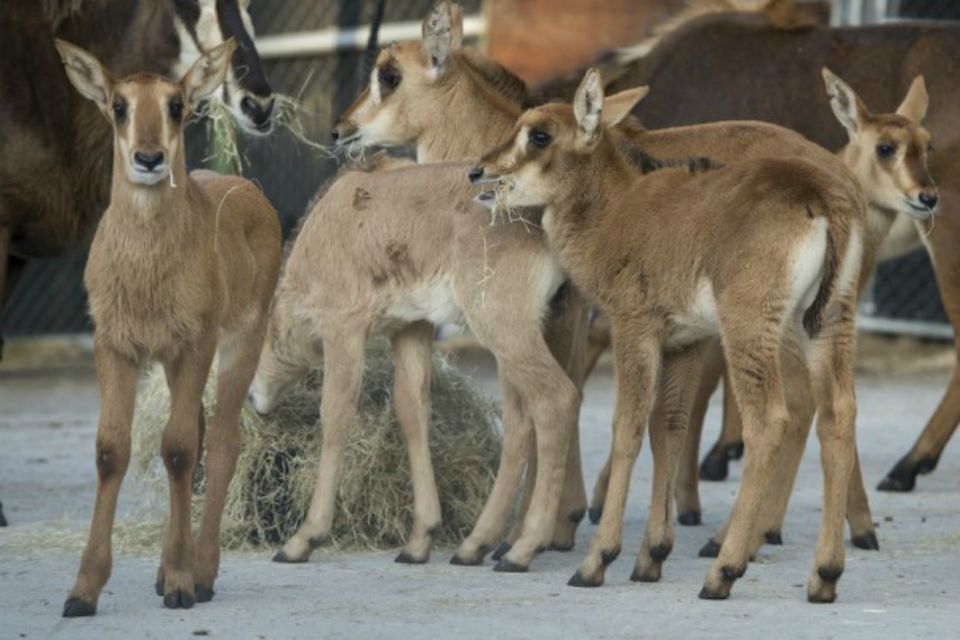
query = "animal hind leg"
{"x": 753, "y": 363}
{"x": 836, "y": 417}
{"x": 687, "y": 489}
{"x": 668, "y": 431}
{"x": 342, "y": 374}
{"x": 729, "y": 445}
{"x": 413, "y": 348}
{"x": 517, "y": 436}
{"x": 552, "y": 400}
{"x": 637, "y": 356}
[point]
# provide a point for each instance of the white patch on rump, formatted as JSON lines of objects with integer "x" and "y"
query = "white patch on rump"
{"x": 808, "y": 263}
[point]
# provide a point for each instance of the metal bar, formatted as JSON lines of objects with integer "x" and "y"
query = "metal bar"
{"x": 917, "y": 328}
{"x": 310, "y": 43}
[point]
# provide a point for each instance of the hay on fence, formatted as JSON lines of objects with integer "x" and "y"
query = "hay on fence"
{"x": 276, "y": 470}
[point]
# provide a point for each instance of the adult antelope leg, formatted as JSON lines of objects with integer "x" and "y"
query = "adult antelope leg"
{"x": 668, "y": 430}
{"x": 925, "y": 452}
{"x": 636, "y": 355}
{"x": 687, "y": 490}
{"x": 117, "y": 376}
{"x": 236, "y": 365}
{"x": 729, "y": 445}
{"x": 412, "y": 349}
{"x": 343, "y": 372}
{"x": 186, "y": 377}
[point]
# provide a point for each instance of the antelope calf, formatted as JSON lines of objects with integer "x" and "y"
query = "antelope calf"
{"x": 888, "y": 154}
{"x": 397, "y": 252}
{"x": 181, "y": 268}
{"x": 452, "y": 104}
{"x": 744, "y": 251}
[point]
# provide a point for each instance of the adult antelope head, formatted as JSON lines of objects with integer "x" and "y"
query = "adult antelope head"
{"x": 552, "y": 144}
{"x": 147, "y": 111}
{"x": 888, "y": 152}
{"x": 393, "y": 109}
{"x": 203, "y": 25}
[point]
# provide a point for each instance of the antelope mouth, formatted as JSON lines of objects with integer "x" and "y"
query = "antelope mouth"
{"x": 919, "y": 211}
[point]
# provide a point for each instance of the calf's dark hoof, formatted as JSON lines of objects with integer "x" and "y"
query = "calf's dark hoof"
{"x": 178, "y": 599}
{"x": 595, "y": 513}
{"x": 867, "y": 541}
{"x": 283, "y": 558}
{"x": 405, "y": 558}
{"x": 3, "y": 520}
{"x": 710, "y": 550}
{"x": 501, "y": 551}
{"x": 505, "y": 566}
{"x": 689, "y": 518}
{"x": 710, "y": 594}
{"x": 203, "y": 593}
{"x": 577, "y": 580}
{"x": 773, "y": 537}
{"x": 77, "y": 608}
{"x": 463, "y": 562}
{"x": 715, "y": 466}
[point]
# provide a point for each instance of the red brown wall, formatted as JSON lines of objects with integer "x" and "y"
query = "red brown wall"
{"x": 539, "y": 39}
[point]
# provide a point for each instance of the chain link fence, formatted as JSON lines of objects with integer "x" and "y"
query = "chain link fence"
{"x": 903, "y": 296}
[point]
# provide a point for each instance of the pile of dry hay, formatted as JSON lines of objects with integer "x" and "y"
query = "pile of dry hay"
{"x": 275, "y": 475}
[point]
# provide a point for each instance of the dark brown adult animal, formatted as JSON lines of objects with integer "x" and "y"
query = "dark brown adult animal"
{"x": 741, "y": 66}
{"x": 55, "y": 147}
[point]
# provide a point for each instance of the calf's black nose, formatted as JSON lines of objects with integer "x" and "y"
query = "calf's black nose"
{"x": 335, "y": 135}
{"x": 148, "y": 161}
{"x": 475, "y": 174}
{"x": 928, "y": 200}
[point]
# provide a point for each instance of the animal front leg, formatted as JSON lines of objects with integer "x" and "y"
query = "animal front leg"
{"x": 186, "y": 377}
{"x": 117, "y": 376}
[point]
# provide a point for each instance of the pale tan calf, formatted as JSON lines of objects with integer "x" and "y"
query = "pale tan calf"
{"x": 901, "y": 196}
{"x": 675, "y": 257}
{"x": 181, "y": 268}
{"x": 397, "y": 252}
{"x": 451, "y": 104}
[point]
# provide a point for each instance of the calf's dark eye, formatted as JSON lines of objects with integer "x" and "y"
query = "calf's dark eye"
{"x": 176, "y": 109}
{"x": 540, "y": 138}
{"x": 389, "y": 78}
{"x": 119, "y": 110}
{"x": 885, "y": 150}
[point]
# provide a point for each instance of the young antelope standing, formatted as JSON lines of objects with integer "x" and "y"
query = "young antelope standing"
{"x": 181, "y": 268}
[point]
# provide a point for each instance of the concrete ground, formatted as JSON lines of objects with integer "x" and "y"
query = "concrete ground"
{"x": 907, "y": 590}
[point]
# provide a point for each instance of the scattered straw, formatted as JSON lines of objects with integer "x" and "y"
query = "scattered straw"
{"x": 276, "y": 470}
